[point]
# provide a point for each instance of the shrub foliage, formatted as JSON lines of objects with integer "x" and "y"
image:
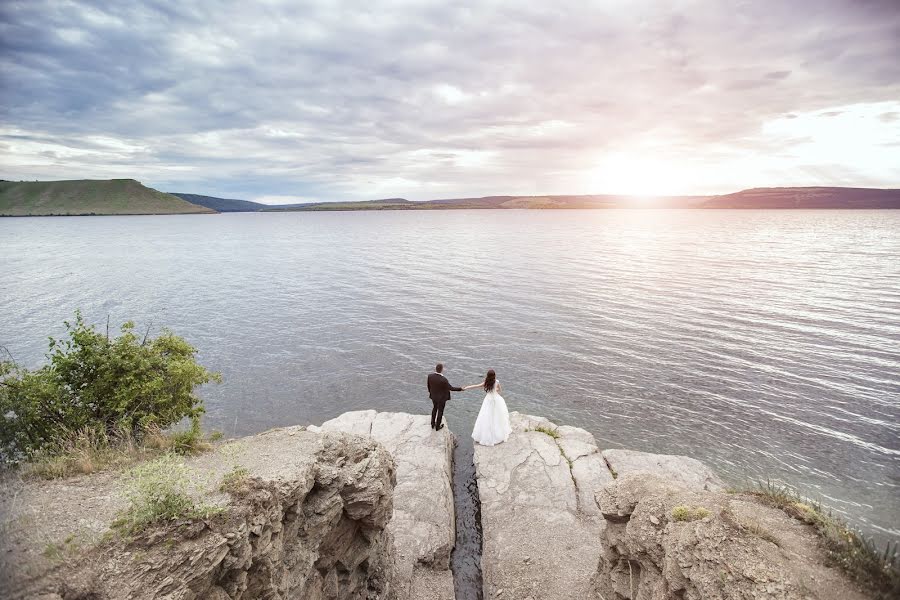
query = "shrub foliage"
{"x": 96, "y": 383}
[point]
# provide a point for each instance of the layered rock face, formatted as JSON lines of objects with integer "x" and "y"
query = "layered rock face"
{"x": 540, "y": 522}
{"x": 423, "y": 522}
{"x": 665, "y": 539}
{"x": 308, "y": 521}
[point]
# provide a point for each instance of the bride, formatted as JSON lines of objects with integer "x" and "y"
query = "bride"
{"x": 492, "y": 425}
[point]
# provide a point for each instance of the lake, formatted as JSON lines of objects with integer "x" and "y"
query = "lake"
{"x": 766, "y": 343}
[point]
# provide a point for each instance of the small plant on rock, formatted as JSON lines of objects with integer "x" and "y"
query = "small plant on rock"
{"x": 689, "y": 513}
{"x": 554, "y": 433}
{"x": 68, "y": 548}
{"x": 233, "y": 479}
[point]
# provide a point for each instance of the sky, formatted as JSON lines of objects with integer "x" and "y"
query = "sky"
{"x": 287, "y": 101}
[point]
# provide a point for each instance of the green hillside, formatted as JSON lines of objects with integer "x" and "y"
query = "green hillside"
{"x": 89, "y": 197}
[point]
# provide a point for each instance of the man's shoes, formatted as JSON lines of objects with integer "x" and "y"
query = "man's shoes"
{"x": 439, "y": 427}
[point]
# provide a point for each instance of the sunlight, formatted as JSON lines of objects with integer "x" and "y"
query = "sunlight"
{"x": 639, "y": 176}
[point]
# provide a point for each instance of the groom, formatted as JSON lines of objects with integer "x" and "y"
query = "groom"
{"x": 439, "y": 391}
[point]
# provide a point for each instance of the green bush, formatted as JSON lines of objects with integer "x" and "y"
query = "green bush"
{"x": 94, "y": 382}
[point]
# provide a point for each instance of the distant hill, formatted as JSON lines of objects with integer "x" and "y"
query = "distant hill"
{"x": 570, "y": 202}
{"x": 807, "y": 197}
{"x": 500, "y": 202}
{"x": 382, "y": 204}
{"x": 781, "y": 198}
{"x": 222, "y": 204}
{"x": 89, "y": 197}
{"x": 128, "y": 197}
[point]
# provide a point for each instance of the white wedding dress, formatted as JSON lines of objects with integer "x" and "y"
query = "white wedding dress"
{"x": 492, "y": 425}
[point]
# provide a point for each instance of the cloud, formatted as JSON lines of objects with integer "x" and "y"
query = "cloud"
{"x": 348, "y": 100}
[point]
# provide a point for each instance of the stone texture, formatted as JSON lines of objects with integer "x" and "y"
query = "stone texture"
{"x": 308, "y": 522}
{"x": 540, "y": 523}
{"x": 741, "y": 549}
{"x": 689, "y": 472}
{"x": 423, "y": 524}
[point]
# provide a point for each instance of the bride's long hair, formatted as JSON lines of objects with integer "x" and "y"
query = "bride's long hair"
{"x": 489, "y": 380}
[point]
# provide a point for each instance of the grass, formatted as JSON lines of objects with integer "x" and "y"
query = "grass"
{"x": 689, "y": 513}
{"x": 857, "y": 555}
{"x": 189, "y": 441}
{"x": 159, "y": 492}
{"x": 82, "y": 452}
{"x": 88, "y": 451}
{"x": 615, "y": 475}
{"x": 750, "y": 527}
{"x": 69, "y": 547}
{"x": 88, "y": 197}
{"x": 233, "y": 479}
{"x": 554, "y": 433}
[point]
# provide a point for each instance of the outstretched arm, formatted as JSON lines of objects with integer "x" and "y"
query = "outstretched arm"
{"x": 455, "y": 389}
{"x": 474, "y": 385}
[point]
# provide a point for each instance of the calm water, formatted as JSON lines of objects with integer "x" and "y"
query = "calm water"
{"x": 766, "y": 343}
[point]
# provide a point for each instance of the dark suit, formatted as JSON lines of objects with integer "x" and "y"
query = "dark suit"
{"x": 439, "y": 391}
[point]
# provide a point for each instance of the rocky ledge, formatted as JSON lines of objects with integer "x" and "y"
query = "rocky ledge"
{"x": 307, "y": 519}
{"x": 361, "y": 508}
{"x": 316, "y": 513}
{"x": 563, "y": 519}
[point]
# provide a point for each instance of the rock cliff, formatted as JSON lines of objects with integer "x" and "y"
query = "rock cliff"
{"x": 423, "y": 524}
{"x": 666, "y": 540}
{"x": 307, "y": 521}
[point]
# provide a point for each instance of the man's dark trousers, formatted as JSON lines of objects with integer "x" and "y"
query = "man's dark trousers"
{"x": 437, "y": 412}
{"x": 439, "y": 391}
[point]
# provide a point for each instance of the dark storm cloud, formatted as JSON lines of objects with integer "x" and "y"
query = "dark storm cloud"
{"x": 361, "y": 99}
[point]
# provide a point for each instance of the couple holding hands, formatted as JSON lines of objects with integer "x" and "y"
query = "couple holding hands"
{"x": 492, "y": 425}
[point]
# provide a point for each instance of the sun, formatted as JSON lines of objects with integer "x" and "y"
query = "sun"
{"x": 639, "y": 176}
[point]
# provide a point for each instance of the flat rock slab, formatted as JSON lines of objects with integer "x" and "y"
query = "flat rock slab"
{"x": 540, "y": 522}
{"x": 688, "y": 472}
{"x": 423, "y": 524}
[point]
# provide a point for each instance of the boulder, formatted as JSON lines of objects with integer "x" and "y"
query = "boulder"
{"x": 423, "y": 524}
{"x": 541, "y": 526}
